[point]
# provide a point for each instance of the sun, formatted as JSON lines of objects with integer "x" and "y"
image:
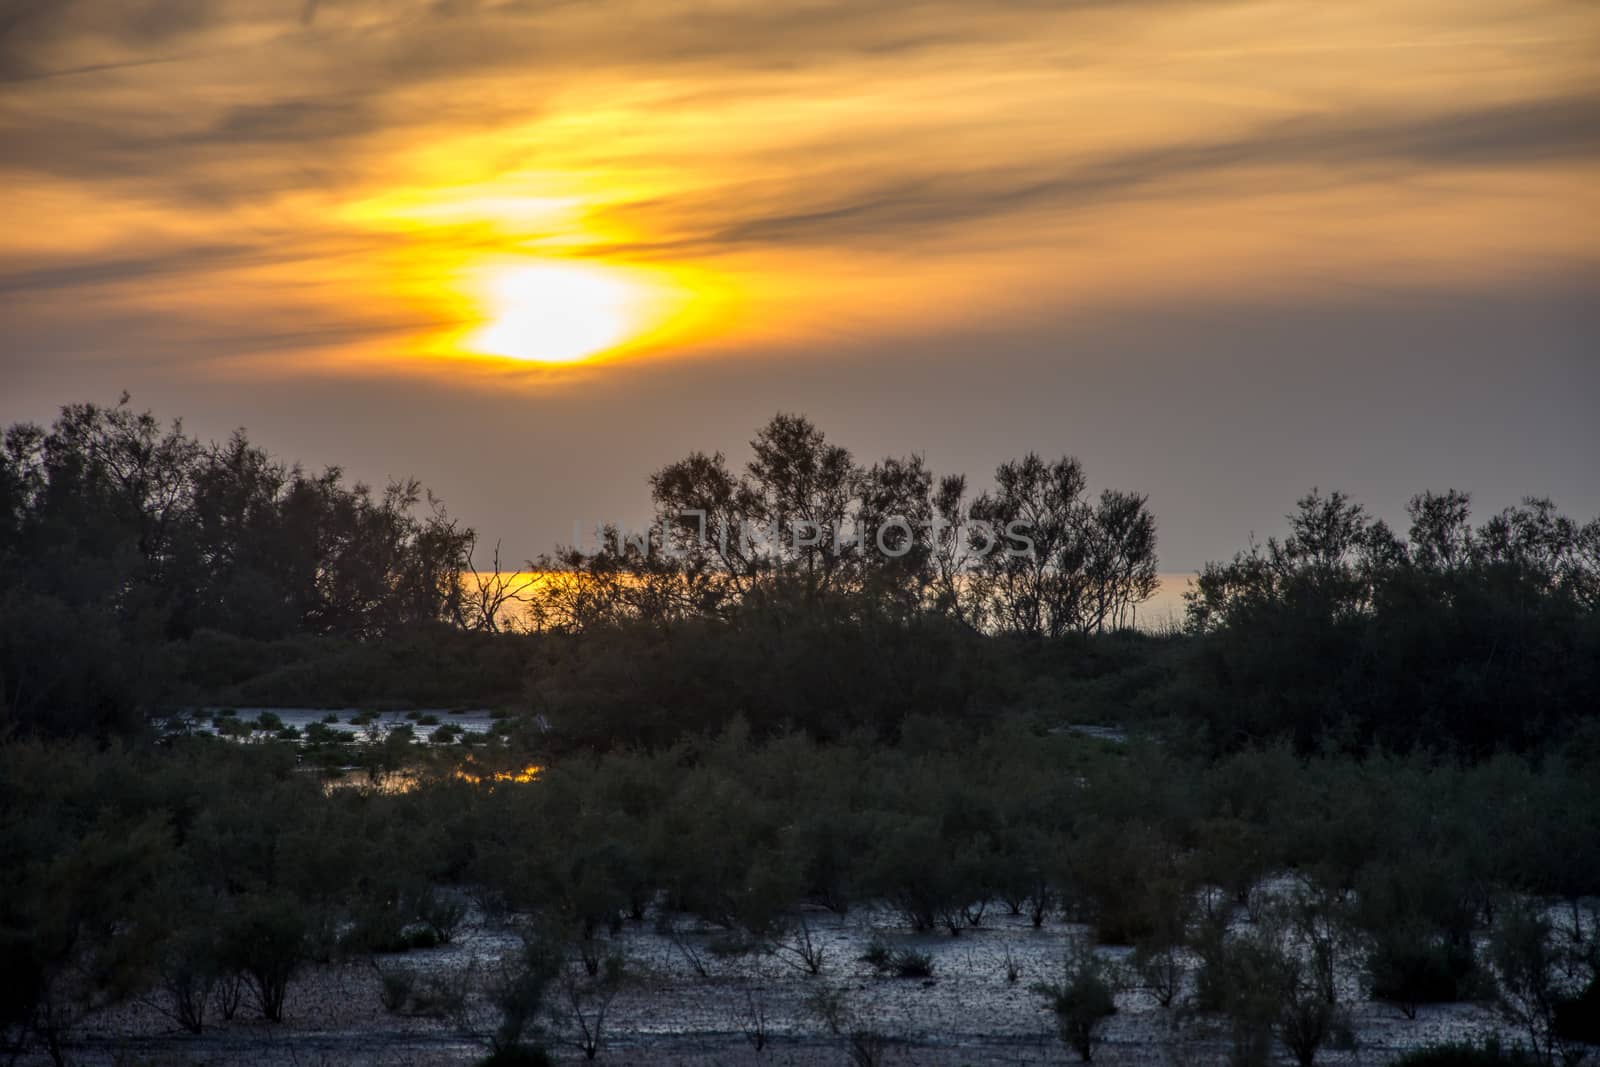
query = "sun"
{"x": 557, "y": 312}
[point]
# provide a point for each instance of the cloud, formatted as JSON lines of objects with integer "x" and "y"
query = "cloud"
{"x": 425, "y": 40}
{"x": 1563, "y": 128}
{"x": 308, "y": 122}
{"x": 111, "y": 271}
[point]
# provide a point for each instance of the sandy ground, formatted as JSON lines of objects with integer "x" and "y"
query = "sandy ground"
{"x": 968, "y": 1012}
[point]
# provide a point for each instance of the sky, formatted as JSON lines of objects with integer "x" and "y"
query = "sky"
{"x": 531, "y": 250}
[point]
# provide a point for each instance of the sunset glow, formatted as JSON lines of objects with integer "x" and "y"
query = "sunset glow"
{"x": 831, "y": 178}
{"x": 557, "y": 313}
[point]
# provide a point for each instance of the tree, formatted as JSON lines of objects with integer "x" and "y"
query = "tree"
{"x": 496, "y": 600}
{"x": 140, "y": 536}
{"x": 896, "y": 512}
{"x": 953, "y": 593}
{"x": 1055, "y": 562}
{"x": 1342, "y": 635}
{"x": 1121, "y": 560}
{"x": 1035, "y": 521}
{"x": 586, "y": 998}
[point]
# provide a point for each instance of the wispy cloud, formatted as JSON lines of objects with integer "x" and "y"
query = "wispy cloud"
{"x": 1557, "y": 129}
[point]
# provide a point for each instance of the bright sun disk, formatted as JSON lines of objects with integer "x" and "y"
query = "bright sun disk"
{"x": 557, "y": 312}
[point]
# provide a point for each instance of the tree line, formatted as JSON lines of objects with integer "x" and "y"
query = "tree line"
{"x": 805, "y": 527}
{"x": 119, "y": 536}
{"x": 1345, "y": 634}
{"x": 140, "y": 568}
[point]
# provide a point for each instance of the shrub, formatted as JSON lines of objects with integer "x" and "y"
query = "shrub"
{"x": 1267, "y": 991}
{"x": 1530, "y": 969}
{"x": 586, "y": 999}
{"x": 519, "y": 993}
{"x": 397, "y": 984}
{"x": 188, "y": 971}
{"x": 912, "y": 964}
{"x": 268, "y": 941}
{"x": 878, "y": 955}
{"x": 903, "y": 963}
{"x": 442, "y": 916}
{"x": 1160, "y": 970}
{"x": 1082, "y": 1000}
{"x": 800, "y": 948}
{"x": 1409, "y": 967}
{"x": 420, "y": 937}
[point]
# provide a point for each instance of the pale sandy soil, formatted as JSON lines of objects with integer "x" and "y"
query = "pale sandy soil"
{"x": 968, "y": 1013}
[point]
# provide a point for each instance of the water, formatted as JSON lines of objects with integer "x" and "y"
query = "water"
{"x": 371, "y": 725}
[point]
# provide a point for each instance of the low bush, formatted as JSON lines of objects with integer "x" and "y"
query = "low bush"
{"x": 1082, "y": 1000}
{"x": 396, "y": 984}
{"x": 912, "y": 964}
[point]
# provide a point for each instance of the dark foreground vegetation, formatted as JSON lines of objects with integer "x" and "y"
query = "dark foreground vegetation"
{"x": 1366, "y": 754}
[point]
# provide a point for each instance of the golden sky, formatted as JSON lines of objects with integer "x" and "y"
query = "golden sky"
{"x": 329, "y": 185}
{"x": 466, "y": 192}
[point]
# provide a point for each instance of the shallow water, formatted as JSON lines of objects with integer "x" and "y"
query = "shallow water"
{"x": 381, "y": 724}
